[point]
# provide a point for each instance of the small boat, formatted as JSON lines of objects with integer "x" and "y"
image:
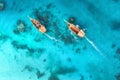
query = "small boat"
{"x": 38, "y": 25}
{"x": 75, "y": 29}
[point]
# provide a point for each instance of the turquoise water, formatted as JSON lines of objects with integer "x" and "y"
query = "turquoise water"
{"x": 27, "y": 54}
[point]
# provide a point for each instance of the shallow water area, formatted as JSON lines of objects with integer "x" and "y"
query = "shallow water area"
{"x": 27, "y": 54}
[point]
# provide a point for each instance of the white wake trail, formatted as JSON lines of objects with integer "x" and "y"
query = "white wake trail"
{"x": 52, "y": 38}
{"x": 94, "y": 46}
{"x": 76, "y": 39}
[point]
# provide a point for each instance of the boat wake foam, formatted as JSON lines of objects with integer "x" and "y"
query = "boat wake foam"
{"x": 52, "y": 38}
{"x": 94, "y": 46}
{"x": 76, "y": 39}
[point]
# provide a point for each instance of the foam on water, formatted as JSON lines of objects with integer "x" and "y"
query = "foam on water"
{"x": 52, "y": 38}
{"x": 94, "y": 46}
{"x": 41, "y": 54}
{"x": 76, "y": 39}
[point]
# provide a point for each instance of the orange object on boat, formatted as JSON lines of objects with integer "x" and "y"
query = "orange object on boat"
{"x": 75, "y": 29}
{"x": 38, "y": 25}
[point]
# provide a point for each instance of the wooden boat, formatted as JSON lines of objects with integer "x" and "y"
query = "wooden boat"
{"x": 75, "y": 29}
{"x": 38, "y": 25}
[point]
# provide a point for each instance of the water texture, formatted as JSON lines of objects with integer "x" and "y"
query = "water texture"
{"x": 27, "y": 54}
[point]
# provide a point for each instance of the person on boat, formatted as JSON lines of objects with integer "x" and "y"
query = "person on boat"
{"x": 75, "y": 29}
{"x": 38, "y": 25}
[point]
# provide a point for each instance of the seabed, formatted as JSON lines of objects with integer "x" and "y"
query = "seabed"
{"x": 27, "y": 54}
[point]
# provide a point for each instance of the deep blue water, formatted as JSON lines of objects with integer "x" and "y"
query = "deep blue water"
{"x": 27, "y": 54}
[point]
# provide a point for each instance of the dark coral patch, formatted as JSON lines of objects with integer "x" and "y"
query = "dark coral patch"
{"x": 48, "y": 19}
{"x": 16, "y": 31}
{"x": 117, "y": 76}
{"x": 85, "y": 47}
{"x": 69, "y": 59}
{"x": 17, "y": 45}
{"x": 77, "y": 50}
{"x": 21, "y": 26}
{"x": 65, "y": 70}
{"x": 81, "y": 77}
{"x": 35, "y": 52}
{"x": 56, "y": 27}
{"x": 3, "y": 37}
{"x": 91, "y": 7}
{"x": 50, "y": 5}
{"x": 40, "y": 50}
{"x": 27, "y": 67}
{"x": 117, "y": 55}
{"x": 44, "y": 60}
{"x": 37, "y": 39}
{"x": 115, "y": 25}
{"x": 43, "y": 16}
{"x": 71, "y": 19}
{"x": 31, "y": 50}
{"x": 67, "y": 39}
{"x": 2, "y": 5}
{"x": 39, "y": 74}
{"x": 116, "y": 1}
{"x": 53, "y": 77}
{"x": 23, "y": 46}
{"x": 91, "y": 76}
{"x": 113, "y": 45}
{"x": 118, "y": 51}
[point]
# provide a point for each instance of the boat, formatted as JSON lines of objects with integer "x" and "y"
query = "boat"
{"x": 38, "y": 25}
{"x": 75, "y": 29}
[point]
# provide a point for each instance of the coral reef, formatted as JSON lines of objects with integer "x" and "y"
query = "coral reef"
{"x": 50, "y": 5}
{"x": 3, "y": 37}
{"x": 17, "y": 45}
{"x": 27, "y": 67}
{"x": 43, "y": 16}
{"x": 117, "y": 76}
{"x": 44, "y": 60}
{"x": 2, "y": 5}
{"x": 81, "y": 77}
{"x": 21, "y": 27}
{"x": 77, "y": 50}
{"x": 115, "y": 25}
{"x": 117, "y": 55}
{"x": 116, "y": 1}
{"x": 39, "y": 74}
{"x": 71, "y": 19}
{"x": 113, "y": 45}
{"x": 85, "y": 47}
{"x": 31, "y": 50}
{"x": 91, "y": 7}
{"x": 35, "y": 52}
{"x": 69, "y": 59}
{"x": 37, "y": 39}
{"x": 118, "y": 51}
{"x": 67, "y": 39}
{"x": 48, "y": 19}
{"x": 16, "y": 31}
{"x": 53, "y": 77}
{"x": 65, "y": 70}
{"x": 38, "y": 50}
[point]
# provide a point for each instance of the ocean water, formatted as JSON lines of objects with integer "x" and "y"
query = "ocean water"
{"x": 27, "y": 54}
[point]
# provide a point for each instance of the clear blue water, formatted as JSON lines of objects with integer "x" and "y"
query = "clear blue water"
{"x": 27, "y": 54}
